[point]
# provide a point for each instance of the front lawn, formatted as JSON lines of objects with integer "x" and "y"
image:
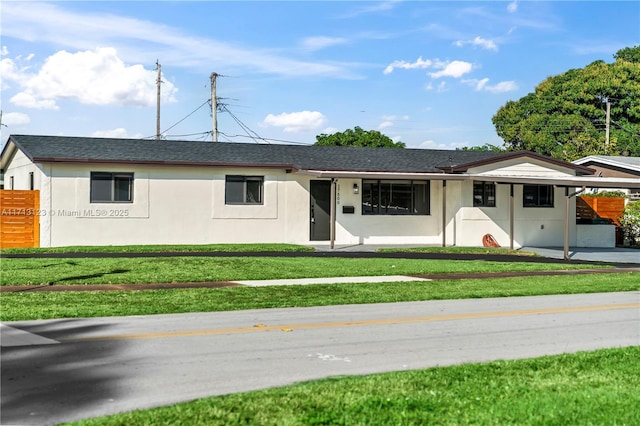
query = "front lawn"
{"x": 27, "y": 305}
{"x": 60, "y": 271}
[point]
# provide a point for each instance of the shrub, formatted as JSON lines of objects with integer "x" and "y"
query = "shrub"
{"x": 606, "y": 194}
{"x": 630, "y": 222}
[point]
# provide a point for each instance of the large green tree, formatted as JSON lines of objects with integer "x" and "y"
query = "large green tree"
{"x": 566, "y": 116}
{"x": 359, "y": 138}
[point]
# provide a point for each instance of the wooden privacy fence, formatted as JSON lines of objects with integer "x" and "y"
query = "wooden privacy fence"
{"x": 19, "y": 219}
{"x": 600, "y": 208}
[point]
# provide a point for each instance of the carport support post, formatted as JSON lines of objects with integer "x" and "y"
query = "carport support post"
{"x": 444, "y": 213}
{"x": 567, "y": 198}
{"x": 511, "y": 215}
{"x": 567, "y": 218}
{"x": 332, "y": 221}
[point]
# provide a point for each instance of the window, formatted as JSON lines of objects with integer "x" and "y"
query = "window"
{"x": 484, "y": 194}
{"x": 111, "y": 187}
{"x": 11, "y": 182}
{"x": 31, "y": 182}
{"x": 395, "y": 197}
{"x": 243, "y": 189}
{"x": 537, "y": 195}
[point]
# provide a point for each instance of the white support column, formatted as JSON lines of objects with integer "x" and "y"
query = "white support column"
{"x": 444, "y": 213}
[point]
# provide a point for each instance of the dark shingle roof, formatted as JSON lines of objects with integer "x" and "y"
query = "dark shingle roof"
{"x": 44, "y": 149}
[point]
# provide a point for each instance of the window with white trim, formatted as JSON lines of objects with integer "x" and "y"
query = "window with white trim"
{"x": 243, "y": 189}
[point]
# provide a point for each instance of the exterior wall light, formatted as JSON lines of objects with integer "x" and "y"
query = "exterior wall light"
{"x": 356, "y": 190}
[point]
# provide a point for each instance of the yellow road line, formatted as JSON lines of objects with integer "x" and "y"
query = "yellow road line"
{"x": 336, "y": 324}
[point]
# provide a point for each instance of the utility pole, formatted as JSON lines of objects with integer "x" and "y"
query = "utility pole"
{"x": 214, "y": 108}
{"x": 608, "y": 121}
{"x": 158, "y": 83}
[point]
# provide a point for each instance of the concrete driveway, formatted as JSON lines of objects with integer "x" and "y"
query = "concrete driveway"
{"x": 610, "y": 255}
{"x": 613, "y": 255}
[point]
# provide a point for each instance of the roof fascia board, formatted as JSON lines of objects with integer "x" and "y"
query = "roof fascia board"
{"x": 607, "y": 161}
{"x": 163, "y": 163}
{"x": 517, "y": 154}
{"x": 381, "y": 175}
{"x": 577, "y": 181}
{"x": 8, "y": 152}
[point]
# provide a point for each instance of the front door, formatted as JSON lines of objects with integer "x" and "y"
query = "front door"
{"x": 320, "y": 214}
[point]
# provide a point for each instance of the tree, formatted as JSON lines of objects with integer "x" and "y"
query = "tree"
{"x": 565, "y": 117}
{"x": 485, "y": 147}
{"x": 359, "y": 138}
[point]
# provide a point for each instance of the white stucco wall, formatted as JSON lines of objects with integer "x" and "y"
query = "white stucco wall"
{"x": 532, "y": 226}
{"x": 601, "y": 236}
{"x": 175, "y": 205}
{"x": 385, "y": 229}
{"x": 185, "y": 205}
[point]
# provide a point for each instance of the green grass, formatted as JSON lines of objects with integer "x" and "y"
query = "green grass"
{"x": 29, "y": 305}
{"x": 164, "y": 248}
{"x": 35, "y": 271}
{"x": 590, "y": 388}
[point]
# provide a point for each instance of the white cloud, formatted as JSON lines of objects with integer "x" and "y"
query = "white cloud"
{"x": 4, "y": 51}
{"x": 418, "y": 64}
{"x": 479, "y": 42}
{"x": 502, "y": 87}
{"x": 385, "y": 124}
{"x": 143, "y": 41}
{"x": 97, "y": 77}
{"x": 330, "y": 130}
{"x": 431, "y": 144}
{"x": 513, "y": 6}
{"x": 441, "y": 87}
{"x": 482, "y": 85}
{"x": 321, "y": 42}
{"x": 296, "y": 121}
{"x": 377, "y": 7}
{"x": 15, "y": 119}
{"x": 453, "y": 69}
{"x": 120, "y": 132}
{"x": 27, "y": 100}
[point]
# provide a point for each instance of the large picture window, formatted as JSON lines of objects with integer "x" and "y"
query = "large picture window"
{"x": 243, "y": 189}
{"x": 111, "y": 187}
{"x": 537, "y": 195}
{"x": 395, "y": 197}
{"x": 484, "y": 194}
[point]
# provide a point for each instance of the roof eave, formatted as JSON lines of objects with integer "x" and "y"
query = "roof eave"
{"x": 516, "y": 154}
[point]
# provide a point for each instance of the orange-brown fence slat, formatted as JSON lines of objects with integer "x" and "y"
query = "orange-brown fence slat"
{"x": 19, "y": 219}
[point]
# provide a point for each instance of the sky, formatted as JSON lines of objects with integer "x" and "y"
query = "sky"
{"x": 430, "y": 74}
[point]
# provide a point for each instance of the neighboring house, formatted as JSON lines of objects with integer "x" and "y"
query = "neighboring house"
{"x": 97, "y": 191}
{"x": 614, "y": 166}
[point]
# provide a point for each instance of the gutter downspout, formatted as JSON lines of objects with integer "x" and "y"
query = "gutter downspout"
{"x": 566, "y": 219}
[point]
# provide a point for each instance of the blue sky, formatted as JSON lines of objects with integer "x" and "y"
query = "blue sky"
{"x": 429, "y": 74}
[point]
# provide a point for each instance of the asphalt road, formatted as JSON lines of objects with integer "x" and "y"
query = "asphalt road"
{"x": 63, "y": 370}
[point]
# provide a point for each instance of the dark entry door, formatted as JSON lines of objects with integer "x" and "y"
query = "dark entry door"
{"x": 320, "y": 213}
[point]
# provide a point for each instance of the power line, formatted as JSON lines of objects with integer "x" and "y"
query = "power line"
{"x": 187, "y": 116}
{"x": 268, "y": 139}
